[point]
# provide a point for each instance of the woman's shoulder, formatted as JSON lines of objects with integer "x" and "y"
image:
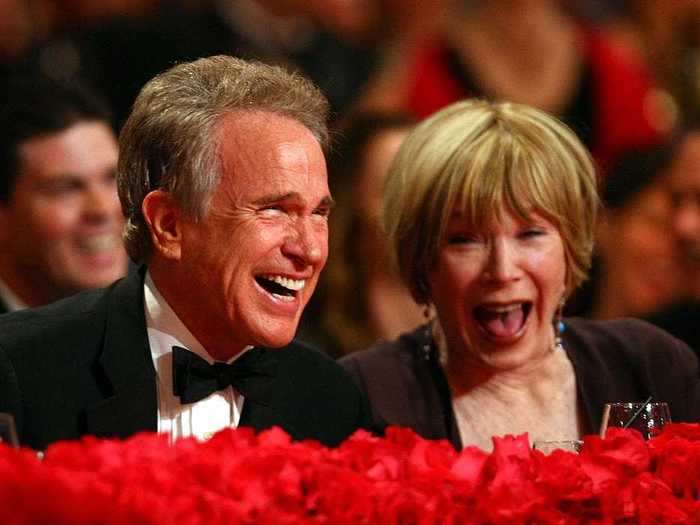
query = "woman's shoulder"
{"x": 629, "y": 339}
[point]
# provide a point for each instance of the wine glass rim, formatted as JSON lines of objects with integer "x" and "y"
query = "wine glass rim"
{"x": 635, "y": 404}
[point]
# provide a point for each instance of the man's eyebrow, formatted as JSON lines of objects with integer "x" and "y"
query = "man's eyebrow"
{"x": 59, "y": 178}
{"x": 276, "y": 197}
{"x": 327, "y": 201}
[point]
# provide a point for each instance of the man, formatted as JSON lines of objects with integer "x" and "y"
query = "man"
{"x": 223, "y": 182}
{"x": 60, "y": 217}
{"x": 683, "y": 181}
{"x": 684, "y": 184}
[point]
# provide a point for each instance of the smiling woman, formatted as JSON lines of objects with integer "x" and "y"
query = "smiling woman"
{"x": 491, "y": 208}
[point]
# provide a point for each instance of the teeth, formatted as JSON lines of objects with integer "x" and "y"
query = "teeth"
{"x": 284, "y": 298}
{"x": 503, "y": 309}
{"x": 290, "y": 284}
{"x": 99, "y": 243}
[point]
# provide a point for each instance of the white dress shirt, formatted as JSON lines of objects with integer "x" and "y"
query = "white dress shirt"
{"x": 220, "y": 410}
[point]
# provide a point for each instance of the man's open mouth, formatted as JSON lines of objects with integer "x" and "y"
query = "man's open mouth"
{"x": 279, "y": 286}
{"x": 502, "y": 320}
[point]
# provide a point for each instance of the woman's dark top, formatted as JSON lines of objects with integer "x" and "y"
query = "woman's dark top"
{"x": 622, "y": 360}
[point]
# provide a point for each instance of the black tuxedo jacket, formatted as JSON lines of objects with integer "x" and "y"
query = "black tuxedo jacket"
{"x": 83, "y": 366}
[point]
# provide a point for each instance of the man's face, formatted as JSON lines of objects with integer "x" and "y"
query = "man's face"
{"x": 250, "y": 266}
{"x": 62, "y": 225}
{"x": 684, "y": 185}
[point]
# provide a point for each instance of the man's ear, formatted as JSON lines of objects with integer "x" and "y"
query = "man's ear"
{"x": 163, "y": 217}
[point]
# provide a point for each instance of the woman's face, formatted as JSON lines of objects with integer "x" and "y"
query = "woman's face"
{"x": 497, "y": 290}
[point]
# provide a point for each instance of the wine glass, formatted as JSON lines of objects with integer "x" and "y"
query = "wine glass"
{"x": 647, "y": 418}
{"x": 549, "y": 446}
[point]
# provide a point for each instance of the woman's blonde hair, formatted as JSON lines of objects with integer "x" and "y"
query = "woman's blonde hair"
{"x": 487, "y": 159}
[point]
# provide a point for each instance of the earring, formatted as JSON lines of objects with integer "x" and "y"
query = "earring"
{"x": 559, "y": 326}
{"x": 428, "y": 334}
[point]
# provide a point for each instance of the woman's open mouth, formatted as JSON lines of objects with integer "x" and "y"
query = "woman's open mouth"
{"x": 502, "y": 321}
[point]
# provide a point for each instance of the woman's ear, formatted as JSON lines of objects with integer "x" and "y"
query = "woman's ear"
{"x": 163, "y": 217}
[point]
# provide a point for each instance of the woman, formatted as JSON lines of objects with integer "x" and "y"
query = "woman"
{"x": 363, "y": 298}
{"x": 360, "y": 297}
{"x": 533, "y": 52}
{"x": 490, "y": 209}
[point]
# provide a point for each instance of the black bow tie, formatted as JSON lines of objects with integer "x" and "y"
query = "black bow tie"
{"x": 252, "y": 375}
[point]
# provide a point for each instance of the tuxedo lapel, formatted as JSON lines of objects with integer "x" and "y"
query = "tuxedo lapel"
{"x": 262, "y": 417}
{"x": 131, "y": 403}
{"x": 274, "y": 411}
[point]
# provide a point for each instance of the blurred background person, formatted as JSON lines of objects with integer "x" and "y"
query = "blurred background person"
{"x": 361, "y": 297}
{"x": 665, "y": 36}
{"x": 60, "y": 218}
{"x": 683, "y": 317}
{"x": 637, "y": 267}
{"x": 119, "y": 45}
{"x": 534, "y": 52}
{"x": 684, "y": 185}
{"x": 16, "y": 29}
{"x": 490, "y": 210}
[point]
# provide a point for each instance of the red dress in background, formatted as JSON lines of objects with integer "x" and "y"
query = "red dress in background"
{"x": 616, "y": 106}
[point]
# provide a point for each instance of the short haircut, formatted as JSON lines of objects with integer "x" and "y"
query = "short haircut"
{"x": 170, "y": 140}
{"x": 487, "y": 159}
{"x": 37, "y": 106}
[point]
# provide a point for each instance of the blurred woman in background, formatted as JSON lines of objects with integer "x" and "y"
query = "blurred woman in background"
{"x": 361, "y": 298}
{"x": 533, "y": 52}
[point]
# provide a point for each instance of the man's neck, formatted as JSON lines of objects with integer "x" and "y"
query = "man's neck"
{"x": 204, "y": 329}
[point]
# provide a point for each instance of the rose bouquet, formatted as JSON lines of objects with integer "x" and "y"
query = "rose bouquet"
{"x": 240, "y": 477}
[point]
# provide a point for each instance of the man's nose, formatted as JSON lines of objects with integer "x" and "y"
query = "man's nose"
{"x": 306, "y": 242}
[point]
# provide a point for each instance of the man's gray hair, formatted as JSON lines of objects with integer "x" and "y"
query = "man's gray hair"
{"x": 169, "y": 141}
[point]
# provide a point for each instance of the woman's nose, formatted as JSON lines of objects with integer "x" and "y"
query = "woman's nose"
{"x": 501, "y": 265}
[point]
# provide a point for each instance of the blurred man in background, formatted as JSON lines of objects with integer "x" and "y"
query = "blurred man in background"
{"x": 60, "y": 217}
{"x": 683, "y": 183}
